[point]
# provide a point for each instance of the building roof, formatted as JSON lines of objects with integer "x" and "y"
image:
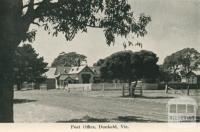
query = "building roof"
{"x": 76, "y": 69}
{"x": 96, "y": 70}
{"x": 51, "y": 72}
{"x": 65, "y": 72}
{"x": 62, "y": 70}
{"x": 69, "y": 70}
{"x": 196, "y": 72}
{"x": 64, "y": 77}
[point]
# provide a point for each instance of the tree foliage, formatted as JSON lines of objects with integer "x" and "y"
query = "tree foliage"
{"x": 164, "y": 74}
{"x": 29, "y": 67}
{"x": 183, "y": 61}
{"x": 99, "y": 62}
{"x": 130, "y": 66}
{"x": 69, "y": 17}
{"x": 69, "y": 59}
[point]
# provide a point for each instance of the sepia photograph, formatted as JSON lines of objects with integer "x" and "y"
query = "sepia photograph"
{"x": 100, "y": 61}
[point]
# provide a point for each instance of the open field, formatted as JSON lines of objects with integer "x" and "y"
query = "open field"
{"x": 94, "y": 106}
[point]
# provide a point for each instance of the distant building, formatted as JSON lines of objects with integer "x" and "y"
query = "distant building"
{"x": 61, "y": 76}
{"x": 192, "y": 77}
{"x": 50, "y": 81}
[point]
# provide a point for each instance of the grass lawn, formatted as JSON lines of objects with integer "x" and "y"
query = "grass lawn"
{"x": 95, "y": 106}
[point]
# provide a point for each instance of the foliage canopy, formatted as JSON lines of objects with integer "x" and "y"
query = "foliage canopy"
{"x": 130, "y": 66}
{"x": 29, "y": 67}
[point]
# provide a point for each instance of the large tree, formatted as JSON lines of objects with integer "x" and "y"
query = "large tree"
{"x": 69, "y": 17}
{"x": 69, "y": 59}
{"x": 182, "y": 62}
{"x": 28, "y": 66}
{"x": 130, "y": 66}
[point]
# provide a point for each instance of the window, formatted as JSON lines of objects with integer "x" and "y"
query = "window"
{"x": 190, "y": 108}
{"x": 172, "y": 108}
{"x": 181, "y": 108}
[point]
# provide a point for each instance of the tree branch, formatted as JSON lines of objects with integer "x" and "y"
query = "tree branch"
{"x": 94, "y": 26}
{"x": 25, "y": 6}
{"x": 35, "y": 23}
{"x": 35, "y": 4}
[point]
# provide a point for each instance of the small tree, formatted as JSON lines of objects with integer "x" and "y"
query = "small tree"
{"x": 69, "y": 59}
{"x": 29, "y": 67}
{"x": 130, "y": 66}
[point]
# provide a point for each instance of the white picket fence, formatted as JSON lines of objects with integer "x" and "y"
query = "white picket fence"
{"x": 79, "y": 87}
{"x": 94, "y": 87}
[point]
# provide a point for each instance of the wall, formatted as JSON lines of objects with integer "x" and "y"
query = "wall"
{"x": 80, "y": 76}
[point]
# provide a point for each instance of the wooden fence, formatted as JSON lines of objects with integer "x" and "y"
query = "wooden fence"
{"x": 184, "y": 90}
{"x": 78, "y": 87}
{"x": 107, "y": 86}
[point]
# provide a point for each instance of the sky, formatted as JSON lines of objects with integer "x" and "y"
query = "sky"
{"x": 175, "y": 25}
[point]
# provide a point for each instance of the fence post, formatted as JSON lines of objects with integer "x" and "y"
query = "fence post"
{"x": 68, "y": 89}
{"x": 103, "y": 87}
{"x": 123, "y": 90}
{"x": 188, "y": 90}
{"x": 131, "y": 88}
{"x": 166, "y": 88}
{"x": 141, "y": 92}
{"x": 115, "y": 85}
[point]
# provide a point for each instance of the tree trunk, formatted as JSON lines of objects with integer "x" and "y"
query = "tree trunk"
{"x": 129, "y": 88}
{"x": 134, "y": 87}
{"x": 6, "y": 101}
{"x": 19, "y": 86}
{"x": 6, "y": 82}
{"x": 12, "y": 30}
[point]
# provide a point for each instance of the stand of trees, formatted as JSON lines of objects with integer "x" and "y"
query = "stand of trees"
{"x": 28, "y": 66}
{"x": 129, "y": 66}
{"x": 60, "y": 16}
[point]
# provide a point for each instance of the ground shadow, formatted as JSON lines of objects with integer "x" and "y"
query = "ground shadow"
{"x": 154, "y": 97}
{"x": 148, "y": 97}
{"x": 134, "y": 119}
{"x": 85, "y": 119}
{"x": 89, "y": 119}
{"x": 20, "y": 101}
